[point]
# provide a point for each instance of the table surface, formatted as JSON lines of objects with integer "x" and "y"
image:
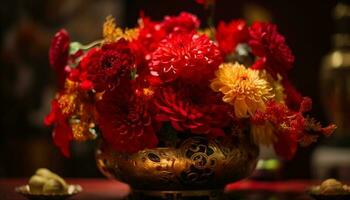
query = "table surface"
{"x": 101, "y": 189}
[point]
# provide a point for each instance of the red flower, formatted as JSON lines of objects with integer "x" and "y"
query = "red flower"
{"x": 58, "y": 55}
{"x": 190, "y": 57}
{"x": 230, "y": 34}
{"x": 62, "y": 133}
{"x": 291, "y": 126}
{"x": 185, "y": 22}
{"x": 104, "y": 66}
{"x": 125, "y": 121}
{"x": 150, "y": 33}
{"x": 270, "y": 45}
{"x": 287, "y": 135}
{"x": 184, "y": 115}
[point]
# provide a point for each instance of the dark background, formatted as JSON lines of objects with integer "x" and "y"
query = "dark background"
{"x": 27, "y": 83}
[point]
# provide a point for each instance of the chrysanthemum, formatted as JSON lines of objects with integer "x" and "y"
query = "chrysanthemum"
{"x": 125, "y": 120}
{"x": 150, "y": 33}
{"x": 185, "y": 22}
{"x": 189, "y": 57}
{"x": 104, "y": 66}
{"x": 184, "y": 114}
{"x": 242, "y": 88}
{"x": 267, "y": 43}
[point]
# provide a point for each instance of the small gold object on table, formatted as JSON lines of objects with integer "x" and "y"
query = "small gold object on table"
{"x": 330, "y": 189}
{"x": 46, "y": 185}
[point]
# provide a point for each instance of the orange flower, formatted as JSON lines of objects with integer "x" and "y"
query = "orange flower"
{"x": 242, "y": 88}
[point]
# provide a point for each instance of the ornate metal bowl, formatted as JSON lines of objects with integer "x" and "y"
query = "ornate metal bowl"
{"x": 196, "y": 164}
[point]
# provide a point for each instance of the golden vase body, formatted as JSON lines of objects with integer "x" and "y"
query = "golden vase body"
{"x": 197, "y": 163}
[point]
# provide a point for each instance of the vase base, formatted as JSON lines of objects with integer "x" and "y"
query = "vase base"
{"x": 177, "y": 195}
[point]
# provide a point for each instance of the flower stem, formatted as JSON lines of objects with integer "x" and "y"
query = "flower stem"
{"x": 92, "y": 44}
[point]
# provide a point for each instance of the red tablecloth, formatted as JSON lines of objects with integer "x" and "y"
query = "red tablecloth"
{"x": 93, "y": 189}
{"x": 101, "y": 189}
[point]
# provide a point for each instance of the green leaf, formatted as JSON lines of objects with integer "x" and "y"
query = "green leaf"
{"x": 74, "y": 47}
{"x": 133, "y": 74}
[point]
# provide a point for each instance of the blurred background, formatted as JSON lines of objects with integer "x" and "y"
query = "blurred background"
{"x": 317, "y": 32}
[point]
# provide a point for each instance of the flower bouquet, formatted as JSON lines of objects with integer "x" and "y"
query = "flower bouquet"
{"x": 169, "y": 84}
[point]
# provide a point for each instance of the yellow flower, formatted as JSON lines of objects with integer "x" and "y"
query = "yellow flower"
{"x": 263, "y": 134}
{"x": 112, "y": 33}
{"x": 242, "y": 88}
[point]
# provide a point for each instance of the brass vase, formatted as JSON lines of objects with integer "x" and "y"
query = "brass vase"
{"x": 198, "y": 166}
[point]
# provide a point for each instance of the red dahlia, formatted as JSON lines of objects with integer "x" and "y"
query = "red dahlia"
{"x": 230, "y": 34}
{"x": 150, "y": 33}
{"x": 190, "y": 57}
{"x": 184, "y": 114}
{"x": 104, "y": 66}
{"x": 270, "y": 46}
{"x": 58, "y": 55}
{"x": 125, "y": 121}
{"x": 185, "y": 22}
